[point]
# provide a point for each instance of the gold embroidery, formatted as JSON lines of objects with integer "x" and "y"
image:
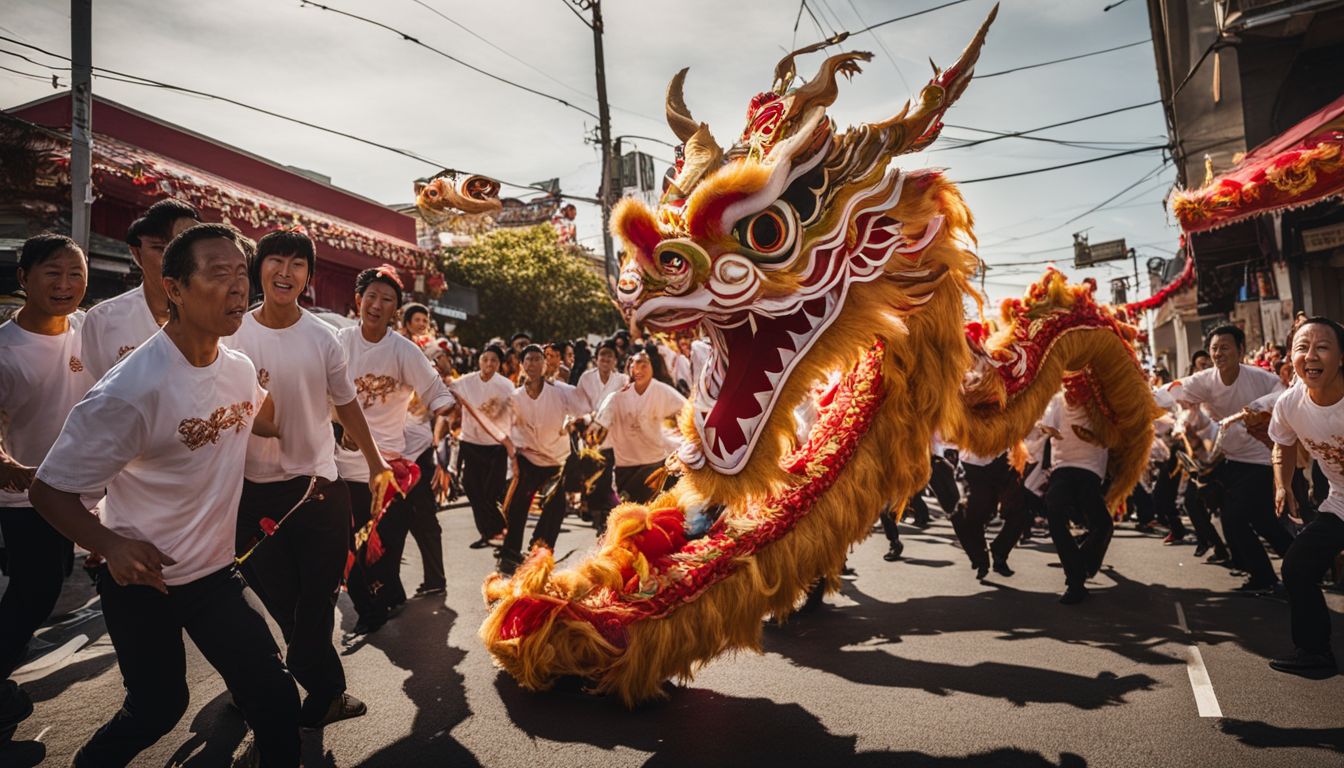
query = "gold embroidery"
{"x": 1331, "y": 453}
{"x": 125, "y": 351}
{"x": 195, "y": 433}
{"x": 263, "y": 377}
{"x": 371, "y": 387}
{"x": 76, "y": 365}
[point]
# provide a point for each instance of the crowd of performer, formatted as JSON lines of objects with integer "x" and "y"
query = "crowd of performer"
{"x": 230, "y": 440}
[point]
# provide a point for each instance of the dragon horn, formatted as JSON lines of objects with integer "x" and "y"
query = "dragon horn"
{"x": 785, "y": 71}
{"x": 702, "y": 153}
{"x": 912, "y": 130}
{"x": 821, "y": 90}
{"x": 678, "y": 116}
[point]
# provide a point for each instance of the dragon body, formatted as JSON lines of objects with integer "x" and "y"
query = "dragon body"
{"x": 801, "y": 255}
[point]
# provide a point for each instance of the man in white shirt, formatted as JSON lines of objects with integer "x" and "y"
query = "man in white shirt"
{"x": 541, "y": 410}
{"x": 485, "y": 457}
{"x": 635, "y": 418}
{"x": 165, "y": 432}
{"x": 992, "y": 486}
{"x": 120, "y": 324}
{"x": 596, "y": 384}
{"x": 1077, "y": 474}
{"x": 1311, "y": 413}
{"x": 1245, "y": 476}
{"x": 41, "y": 379}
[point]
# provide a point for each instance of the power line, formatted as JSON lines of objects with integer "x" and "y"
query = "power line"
{"x": 871, "y": 27}
{"x": 1089, "y": 211}
{"x": 1062, "y": 165}
{"x": 123, "y": 77}
{"x": 1063, "y": 142}
{"x": 881, "y": 45}
{"x": 411, "y": 39}
{"x": 1014, "y": 134}
{"x": 1061, "y": 61}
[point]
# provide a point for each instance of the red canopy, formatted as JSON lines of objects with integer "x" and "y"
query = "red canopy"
{"x": 1304, "y": 165}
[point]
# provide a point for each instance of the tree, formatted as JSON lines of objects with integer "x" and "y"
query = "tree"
{"x": 527, "y": 281}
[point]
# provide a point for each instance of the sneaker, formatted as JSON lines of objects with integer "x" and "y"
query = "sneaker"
{"x": 1317, "y": 666}
{"x": 1073, "y": 595}
{"x": 1202, "y": 549}
{"x": 368, "y": 625}
{"x": 508, "y": 562}
{"x": 894, "y": 552}
{"x": 1172, "y": 540}
{"x": 1001, "y": 568}
{"x": 343, "y": 707}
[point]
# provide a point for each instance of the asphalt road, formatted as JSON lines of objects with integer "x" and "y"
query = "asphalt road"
{"x": 911, "y": 664}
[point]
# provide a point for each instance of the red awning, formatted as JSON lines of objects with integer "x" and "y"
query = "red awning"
{"x": 1304, "y": 165}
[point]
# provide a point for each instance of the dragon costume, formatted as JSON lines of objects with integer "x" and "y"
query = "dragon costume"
{"x": 799, "y": 253}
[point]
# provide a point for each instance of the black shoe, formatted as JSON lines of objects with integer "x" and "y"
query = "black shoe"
{"x": 480, "y": 543}
{"x": 368, "y": 625}
{"x": 343, "y": 707}
{"x": 1202, "y": 549}
{"x": 1001, "y": 568}
{"x": 1255, "y": 586}
{"x": 15, "y": 707}
{"x": 894, "y": 552}
{"x": 921, "y": 524}
{"x": 981, "y": 572}
{"x": 1220, "y": 556}
{"x": 430, "y": 589}
{"x": 1073, "y": 595}
{"x": 1317, "y": 666}
{"x": 508, "y": 562}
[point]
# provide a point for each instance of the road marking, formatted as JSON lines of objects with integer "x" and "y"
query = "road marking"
{"x": 42, "y": 733}
{"x": 1205, "y": 699}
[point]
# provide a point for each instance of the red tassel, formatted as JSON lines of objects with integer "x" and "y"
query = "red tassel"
{"x": 349, "y": 563}
{"x": 373, "y": 549}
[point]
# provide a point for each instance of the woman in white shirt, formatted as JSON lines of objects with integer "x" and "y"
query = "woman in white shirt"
{"x": 387, "y": 369}
{"x": 1311, "y": 413}
{"x": 1077, "y": 474}
{"x": 297, "y": 573}
{"x": 41, "y": 379}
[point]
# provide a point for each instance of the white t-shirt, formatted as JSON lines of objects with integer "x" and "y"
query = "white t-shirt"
{"x": 115, "y": 327}
{"x": 1321, "y": 429}
{"x": 635, "y": 422}
{"x": 539, "y": 424}
{"x": 41, "y": 379}
{"x": 700, "y": 353}
{"x": 1220, "y": 401}
{"x": 491, "y": 401}
{"x": 303, "y": 367}
{"x": 167, "y": 440}
{"x": 1070, "y": 449}
{"x": 385, "y": 374}
{"x": 595, "y": 392}
{"x": 976, "y": 460}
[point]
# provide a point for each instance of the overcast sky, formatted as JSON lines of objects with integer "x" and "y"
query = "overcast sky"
{"x": 341, "y": 73}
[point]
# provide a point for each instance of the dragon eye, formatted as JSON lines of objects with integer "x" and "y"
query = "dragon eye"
{"x": 671, "y": 262}
{"x": 769, "y": 233}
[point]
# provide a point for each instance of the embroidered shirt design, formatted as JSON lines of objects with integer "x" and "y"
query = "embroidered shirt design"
{"x": 76, "y": 365}
{"x": 1331, "y": 452}
{"x": 124, "y": 351}
{"x": 371, "y": 387}
{"x": 195, "y": 433}
{"x": 263, "y": 377}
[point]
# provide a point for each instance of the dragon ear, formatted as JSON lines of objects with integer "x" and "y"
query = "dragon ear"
{"x": 914, "y": 129}
{"x": 634, "y": 224}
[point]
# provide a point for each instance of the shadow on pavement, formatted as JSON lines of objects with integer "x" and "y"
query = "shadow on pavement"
{"x": 1263, "y": 735}
{"x": 694, "y": 726}
{"x": 22, "y": 754}
{"x": 417, "y": 641}
{"x": 217, "y": 730}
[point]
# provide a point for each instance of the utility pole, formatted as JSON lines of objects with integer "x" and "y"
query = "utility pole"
{"x": 604, "y": 132}
{"x": 81, "y": 120}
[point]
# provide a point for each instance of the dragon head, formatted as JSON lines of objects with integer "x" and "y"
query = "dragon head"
{"x": 764, "y": 246}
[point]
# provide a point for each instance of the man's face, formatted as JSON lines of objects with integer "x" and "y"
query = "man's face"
{"x": 149, "y": 256}
{"x": 377, "y": 305}
{"x": 534, "y": 364}
{"x": 283, "y": 278}
{"x": 519, "y": 343}
{"x": 606, "y": 360}
{"x": 1203, "y": 363}
{"x": 56, "y": 286}
{"x": 419, "y": 324}
{"x": 1225, "y": 351}
{"x": 488, "y": 363}
{"x": 214, "y": 297}
{"x": 641, "y": 370}
{"x": 569, "y": 357}
{"x": 1316, "y": 355}
{"x": 552, "y": 359}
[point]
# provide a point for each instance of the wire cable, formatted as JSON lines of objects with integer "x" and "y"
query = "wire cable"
{"x": 1061, "y": 61}
{"x": 1084, "y": 118}
{"x": 1062, "y": 165}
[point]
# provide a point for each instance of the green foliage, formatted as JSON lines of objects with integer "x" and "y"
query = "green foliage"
{"x": 527, "y": 281}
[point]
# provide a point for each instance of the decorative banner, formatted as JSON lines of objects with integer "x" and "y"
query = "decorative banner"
{"x": 1302, "y": 166}
{"x": 1182, "y": 281}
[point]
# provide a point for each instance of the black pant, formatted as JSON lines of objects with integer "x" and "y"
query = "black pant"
{"x": 995, "y": 487}
{"x": 376, "y": 588}
{"x": 1166, "y": 485}
{"x": 1312, "y": 552}
{"x": 632, "y": 482}
{"x": 1196, "y": 505}
{"x": 484, "y": 478}
{"x": 297, "y": 575}
{"x": 943, "y": 483}
{"x": 531, "y": 479}
{"x": 423, "y": 521}
{"x": 38, "y": 559}
{"x": 1248, "y": 509}
{"x": 603, "y": 498}
{"x": 146, "y": 629}
{"x": 1074, "y": 493}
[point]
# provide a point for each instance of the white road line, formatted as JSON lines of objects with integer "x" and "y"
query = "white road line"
{"x": 42, "y": 733}
{"x": 1205, "y": 699}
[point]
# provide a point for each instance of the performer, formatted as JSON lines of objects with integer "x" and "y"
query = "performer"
{"x": 41, "y": 378}
{"x": 165, "y": 432}
{"x": 484, "y": 456}
{"x": 1077, "y": 471}
{"x": 1245, "y": 477}
{"x": 115, "y": 327}
{"x": 415, "y": 324}
{"x": 421, "y": 505}
{"x": 992, "y": 485}
{"x": 596, "y": 385}
{"x": 1311, "y": 413}
{"x": 387, "y": 369}
{"x": 634, "y": 417}
{"x": 541, "y": 410}
{"x": 297, "y": 571}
